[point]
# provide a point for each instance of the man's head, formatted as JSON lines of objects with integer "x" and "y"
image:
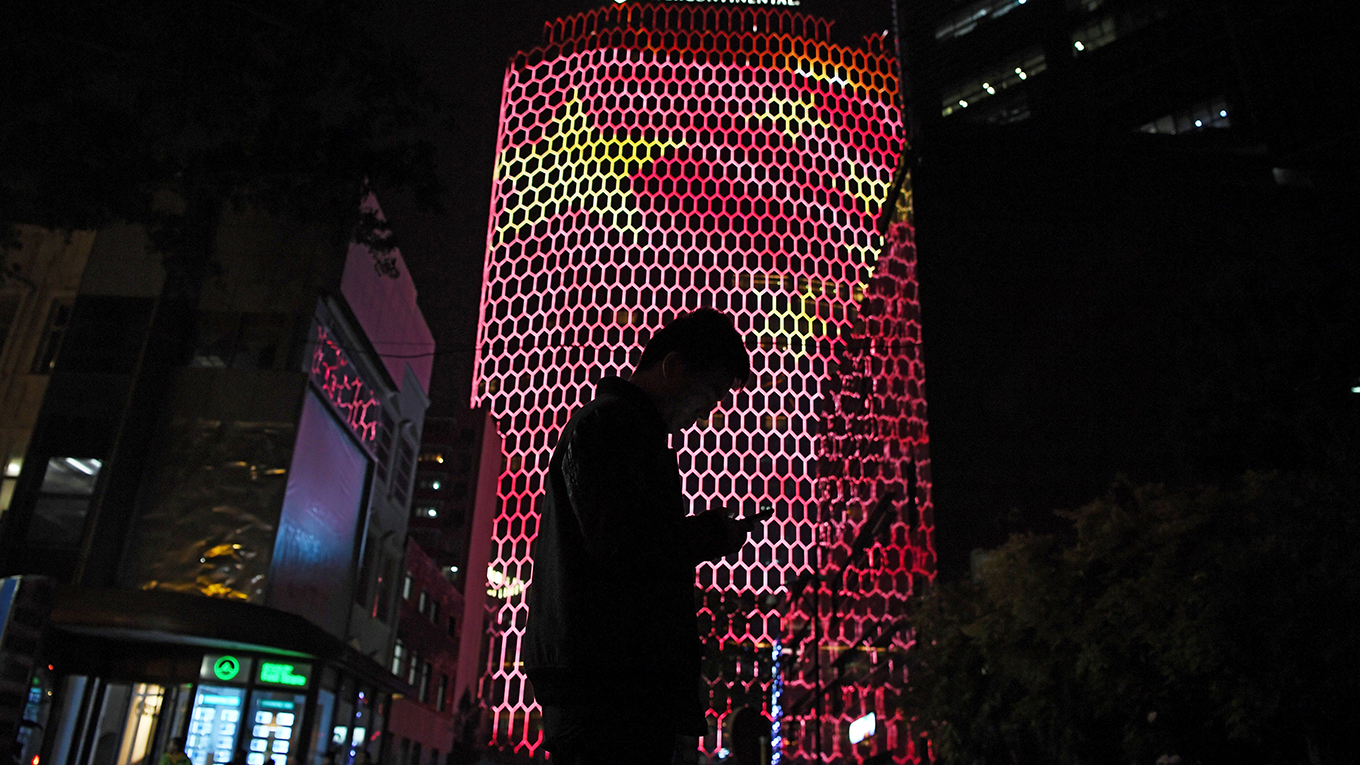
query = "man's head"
{"x": 691, "y": 364}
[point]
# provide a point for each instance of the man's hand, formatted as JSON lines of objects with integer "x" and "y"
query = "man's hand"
{"x": 735, "y": 530}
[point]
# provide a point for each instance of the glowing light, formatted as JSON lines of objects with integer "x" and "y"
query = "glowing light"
{"x": 339, "y": 381}
{"x": 502, "y": 586}
{"x": 963, "y": 104}
{"x": 1078, "y": 45}
{"x": 776, "y": 707}
{"x": 435, "y": 485}
{"x": 643, "y": 171}
{"x": 1223, "y": 113}
{"x": 1355, "y": 389}
{"x": 863, "y": 728}
{"x": 88, "y": 467}
{"x": 1199, "y": 123}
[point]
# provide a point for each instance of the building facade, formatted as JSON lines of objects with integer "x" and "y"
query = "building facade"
{"x": 246, "y": 599}
{"x": 422, "y": 724}
{"x": 451, "y": 519}
{"x": 37, "y": 288}
{"x": 655, "y": 158}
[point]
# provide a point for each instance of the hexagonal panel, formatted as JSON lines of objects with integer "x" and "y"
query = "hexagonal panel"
{"x": 653, "y": 159}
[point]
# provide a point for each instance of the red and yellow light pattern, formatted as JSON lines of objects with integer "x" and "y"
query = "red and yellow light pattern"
{"x": 653, "y": 159}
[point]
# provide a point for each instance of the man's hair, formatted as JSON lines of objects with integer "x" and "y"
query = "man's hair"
{"x": 703, "y": 337}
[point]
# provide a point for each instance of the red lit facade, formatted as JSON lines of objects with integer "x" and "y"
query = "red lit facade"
{"x": 656, "y": 158}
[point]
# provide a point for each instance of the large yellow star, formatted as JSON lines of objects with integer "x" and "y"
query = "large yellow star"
{"x": 594, "y": 170}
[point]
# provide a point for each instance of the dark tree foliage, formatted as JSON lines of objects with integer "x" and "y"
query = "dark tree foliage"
{"x": 157, "y": 113}
{"x": 164, "y": 114}
{"x": 1199, "y": 625}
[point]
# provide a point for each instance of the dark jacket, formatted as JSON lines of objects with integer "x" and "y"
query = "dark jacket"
{"x": 611, "y": 607}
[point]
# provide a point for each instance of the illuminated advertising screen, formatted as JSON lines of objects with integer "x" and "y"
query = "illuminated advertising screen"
{"x": 213, "y": 724}
{"x": 314, "y": 550}
{"x": 288, "y": 673}
{"x": 274, "y": 721}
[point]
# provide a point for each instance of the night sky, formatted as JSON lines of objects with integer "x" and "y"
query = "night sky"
{"x": 1094, "y": 305}
{"x": 465, "y": 47}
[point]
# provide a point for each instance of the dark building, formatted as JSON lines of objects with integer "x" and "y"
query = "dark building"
{"x": 237, "y": 583}
{"x": 422, "y": 724}
{"x": 441, "y": 635}
{"x": 1137, "y": 247}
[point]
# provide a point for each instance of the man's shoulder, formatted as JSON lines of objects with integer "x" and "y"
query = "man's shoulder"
{"x": 608, "y": 410}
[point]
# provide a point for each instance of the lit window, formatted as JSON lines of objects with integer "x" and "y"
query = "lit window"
{"x": 967, "y": 19}
{"x": 440, "y": 692}
{"x": 1107, "y": 29}
{"x": 1008, "y": 73}
{"x": 435, "y": 455}
{"x": 431, "y": 481}
{"x": 1204, "y": 115}
{"x": 1095, "y": 35}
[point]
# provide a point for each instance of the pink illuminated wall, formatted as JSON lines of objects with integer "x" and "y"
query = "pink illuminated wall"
{"x": 847, "y": 658}
{"x": 653, "y": 159}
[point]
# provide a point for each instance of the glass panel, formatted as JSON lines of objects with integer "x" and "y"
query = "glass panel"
{"x": 343, "y": 720}
{"x": 174, "y": 721}
{"x": 321, "y": 730}
{"x": 143, "y": 712}
{"x": 63, "y": 501}
{"x": 212, "y": 501}
{"x": 214, "y": 723}
{"x": 364, "y": 733}
{"x": 109, "y": 728}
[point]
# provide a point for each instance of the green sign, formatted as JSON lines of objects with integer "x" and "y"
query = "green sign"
{"x": 227, "y": 668}
{"x": 280, "y": 673}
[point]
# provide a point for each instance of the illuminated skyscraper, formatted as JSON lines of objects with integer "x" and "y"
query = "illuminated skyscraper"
{"x": 654, "y": 158}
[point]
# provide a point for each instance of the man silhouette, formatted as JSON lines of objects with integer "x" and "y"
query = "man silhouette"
{"x": 612, "y": 645}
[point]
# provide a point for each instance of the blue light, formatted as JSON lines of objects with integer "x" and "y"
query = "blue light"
{"x": 776, "y": 711}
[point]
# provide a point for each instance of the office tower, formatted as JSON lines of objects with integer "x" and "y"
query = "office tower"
{"x": 652, "y": 159}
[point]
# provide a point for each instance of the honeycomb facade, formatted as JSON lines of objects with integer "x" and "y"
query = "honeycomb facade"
{"x": 847, "y": 657}
{"x": 653, "y": 159}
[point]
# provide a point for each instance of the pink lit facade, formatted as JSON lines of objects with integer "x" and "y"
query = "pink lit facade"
{"x": 657, "y": 158}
